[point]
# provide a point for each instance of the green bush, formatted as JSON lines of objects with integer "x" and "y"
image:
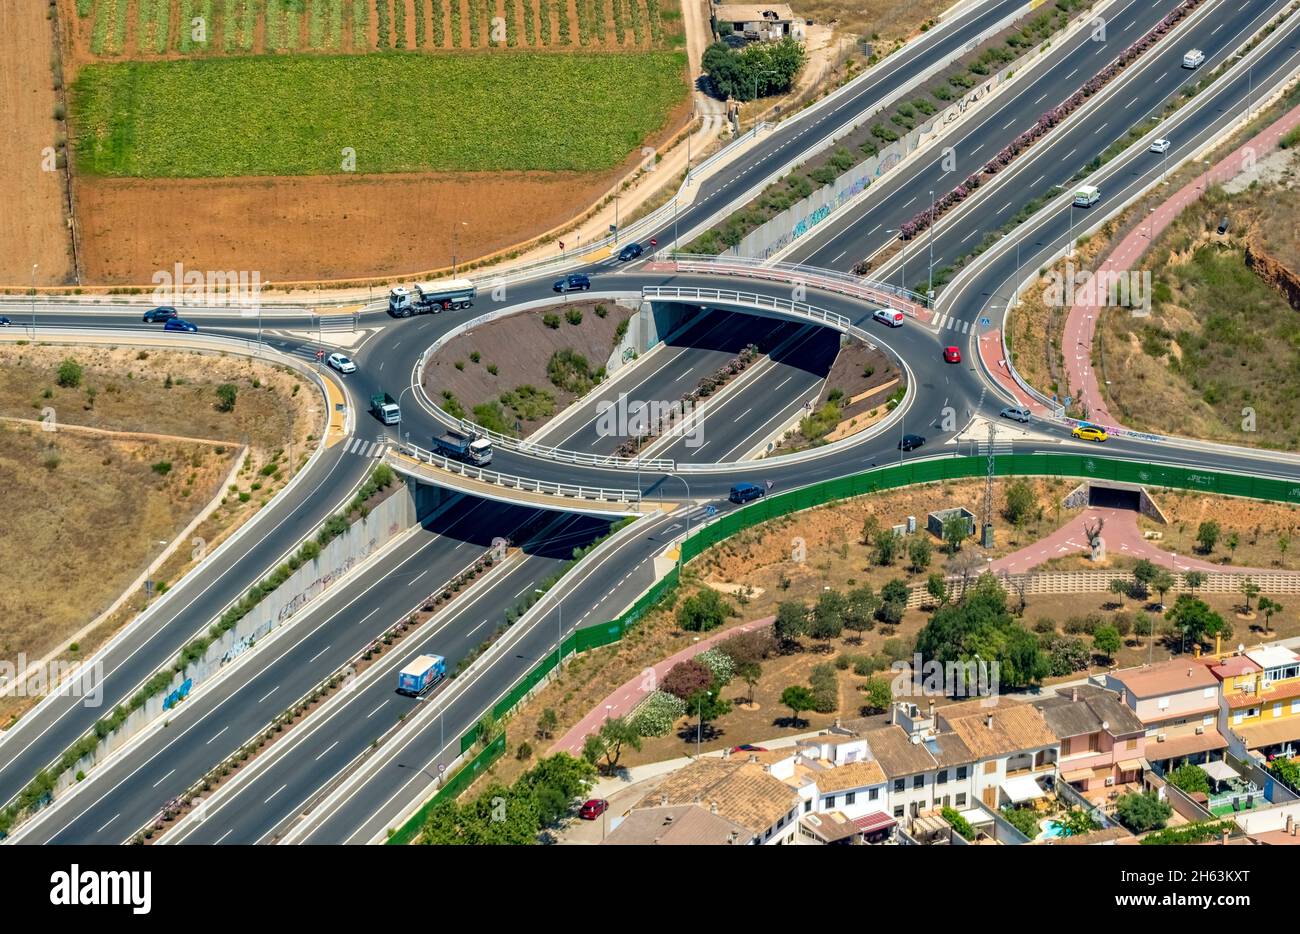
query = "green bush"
{"x": 70, "y": 374}
{"x": 227, "y": 393}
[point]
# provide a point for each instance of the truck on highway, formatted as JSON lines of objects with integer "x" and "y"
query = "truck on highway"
{"x": 464, "y": 447}
{"x": 431, "y": 297}
{"x": 385, "y": 408}
{"x": 1086, "y": 196}
{"x": 420, "y": 674}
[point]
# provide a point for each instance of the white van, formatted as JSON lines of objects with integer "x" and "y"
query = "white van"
{"x": 1193, "y": 59}
{"x": 889, "y": 316}
{"x": 1087, "y": 196}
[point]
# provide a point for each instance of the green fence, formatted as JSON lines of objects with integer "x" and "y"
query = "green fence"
{"x": 1074, "y": 466}
{"x": 453, "y": 789}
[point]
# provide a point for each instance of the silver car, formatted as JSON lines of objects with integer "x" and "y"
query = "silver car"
{"x": 1015, "y": 413}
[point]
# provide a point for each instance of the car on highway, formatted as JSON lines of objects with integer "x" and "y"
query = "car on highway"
{"x": 593, "y": 808}
{"x": 161, "y": 313}
{"x": 4, "y": 322}
{"x": 573, "y": 282}
{"x": 1193, "y": 59}
{"x": 1016, "y": 413}
{"x": 630, "y": 252}
{"x": 951, "y": 355}
{"x": 341, "y": 363}
{"x": 1089, "y": 433}
{"x": 911, "y": 442}
{"x": 743, "y": 493}
{"x": 1160, "y": 146}
{"x": 888, "y": 316}
{"x": 180, "y": 324}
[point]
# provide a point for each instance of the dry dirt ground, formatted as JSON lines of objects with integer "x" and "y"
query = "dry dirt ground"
{"x": 32, "y": 227}
{"x": 278, "y": 414}
{"x": 1268, "y": 534}
{"x": 520, "y": 346}
{"x": 316, "y": 228}
{"x": 84, "y": 514}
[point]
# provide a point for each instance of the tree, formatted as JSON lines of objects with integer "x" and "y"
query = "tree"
{"x": 69, "y": 374}
{"x": 1120, "y": 587}
{"x": 980, "y": 624}
{"x": 1191, "y": 779}
{"x": 1232, "y": 541}
{"x": 703, "y": 611}
{"x": 1142, "y": 811}
{"x": 546, "y": 723}
{"x": 1207, "y": 535}
{"x": 762, "y": 68}
{"x": 1143, "y": 625}
{"x": 879, "y": 695}
{"x": 1144, "y": 572}
{"x": 1194, "y": 580}
{"x": 937, "y": 587}
{"x": 1249, "y": 590}
{"x": 1106, "y": 640}
{"x": 798, "y": 698}
{"x": 956, "y": 528}
{"x": 687, "y": 678}
{"x": 1194, "y": 619}
{"x": 827, "y": 620}
{"x": 870, "y": 526}
{"x": 860, "y": 610}
{"x": 1268, "y": 607}
{"x": 791, "y": 622}
{"x": 1020, "y": 501}
{"x": 1162, "y": 583}
{"x": 887, "y": 545}
{"x": 609, "y": 740}
{"x": 226, "y": 395}
{"x": 919, "y": 551}
{"x": 751, "y": 673}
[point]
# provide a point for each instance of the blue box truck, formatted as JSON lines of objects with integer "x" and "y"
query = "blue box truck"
{"x": 420, "y": 674}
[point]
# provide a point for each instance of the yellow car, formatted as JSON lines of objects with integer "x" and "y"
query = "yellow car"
{"x": 1089, "y": 433}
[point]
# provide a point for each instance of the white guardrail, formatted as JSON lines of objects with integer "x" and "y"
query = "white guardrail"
{"x": 749, "y": 300}
{"x": 868, "y": 290}
{"x": 509, "y": 481}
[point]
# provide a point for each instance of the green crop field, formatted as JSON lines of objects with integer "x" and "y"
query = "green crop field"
{"x": 399, "y": 111}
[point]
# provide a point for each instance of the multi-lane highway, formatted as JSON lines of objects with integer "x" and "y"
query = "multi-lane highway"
{"x": 123, "y": 794}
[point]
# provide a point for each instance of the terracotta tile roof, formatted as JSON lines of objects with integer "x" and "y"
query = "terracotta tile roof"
{"x": 1273, "y": 731}
{"x": 1095, "y": 706}
{"x": 745, "y": 793}
{"x": 677, "y": 825}
{"x": 897, "y": 754}
{"x": 1169, "y": 677}
{"x": 1000, "y": 730}
{"x": 1187, "y": 745}
{"x": 851, "y": 775}
{"x": 1233, "y": 666}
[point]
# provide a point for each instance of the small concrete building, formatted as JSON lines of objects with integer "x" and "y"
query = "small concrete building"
{"x": 763, "y": 23}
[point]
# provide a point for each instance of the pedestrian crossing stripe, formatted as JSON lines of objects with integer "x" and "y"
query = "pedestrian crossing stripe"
{"x": 363, "y": 448}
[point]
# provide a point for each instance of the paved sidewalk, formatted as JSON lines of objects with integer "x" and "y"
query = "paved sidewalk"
{"x": 628, "y": 695}
{"x": 1122, "y": 536}
{"x": 1081, "y": 324}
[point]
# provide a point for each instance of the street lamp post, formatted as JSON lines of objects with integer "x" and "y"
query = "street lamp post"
{"x": 682, "y": 546}
{"x": 559, "y": 630}
{"x": 34, "y": 268}
{"x": 616, "y": 197}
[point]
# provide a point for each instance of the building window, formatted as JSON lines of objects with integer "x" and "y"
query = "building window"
{"x": 873, "y": 794}
{"x": 1208, "y": 692}
{"x": 1238, "y": 717}
{"x": 1207, "y": 719}
{"x": 990, "y": 767}
{"x": 1277, "y": 708}
{"x": 807, "y": 806}
{"x": 1163, "y": 703}
{"x": 1131, "y": 744}
{"x": 943, "y": 778}
{"x": 918, "y": 781}
{"x": 850, "y": 798}
{"x": 1295, "y": 705}
{"x": 900, "y": 784}
{"x": 961, "y": 773}
{"x": 898, "y": 810}
{"x": 828, "y": 801}
{"x": 961, "y": 799}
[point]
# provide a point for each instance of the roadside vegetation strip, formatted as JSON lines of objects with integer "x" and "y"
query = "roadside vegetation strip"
{"x": 41, "y": 788}
{"x": 294, "y": 115}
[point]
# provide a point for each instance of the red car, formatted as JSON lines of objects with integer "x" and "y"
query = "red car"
{"x": 593, "y": 809}
{"x": 952, "y": 355}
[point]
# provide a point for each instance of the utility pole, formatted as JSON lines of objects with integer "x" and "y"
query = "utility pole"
{"x": 987, "y": 539}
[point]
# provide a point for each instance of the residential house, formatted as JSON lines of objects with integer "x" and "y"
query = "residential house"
{"x": 743, "y": 793}
{"x": 763, "y": 23}
{"x": 1011, "y": 747}
{"x": 677, "y": 825}
{"x": 1261, "y": 701}
{"x": 1102, "y": 740}
{"x": 1178, "y": 704}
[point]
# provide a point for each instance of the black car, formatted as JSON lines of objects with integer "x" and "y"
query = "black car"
{"x": 574, "y": 282}
{"x": 4, "y": 322}
{"x": 161, "y": 313}
{"x": 630, "y": 252}
{"x": 743, "y": 493}
{"x": 910, "y": 442}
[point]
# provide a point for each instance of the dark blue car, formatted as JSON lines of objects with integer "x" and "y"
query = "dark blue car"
{"x": 746, "y": 492}
{"x": 630, "y": 252}
{"x": 574, "y": 282}
{"x": 180, "y": 324}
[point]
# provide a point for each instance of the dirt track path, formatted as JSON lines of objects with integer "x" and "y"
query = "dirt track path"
{"x": 31, "y": 224}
